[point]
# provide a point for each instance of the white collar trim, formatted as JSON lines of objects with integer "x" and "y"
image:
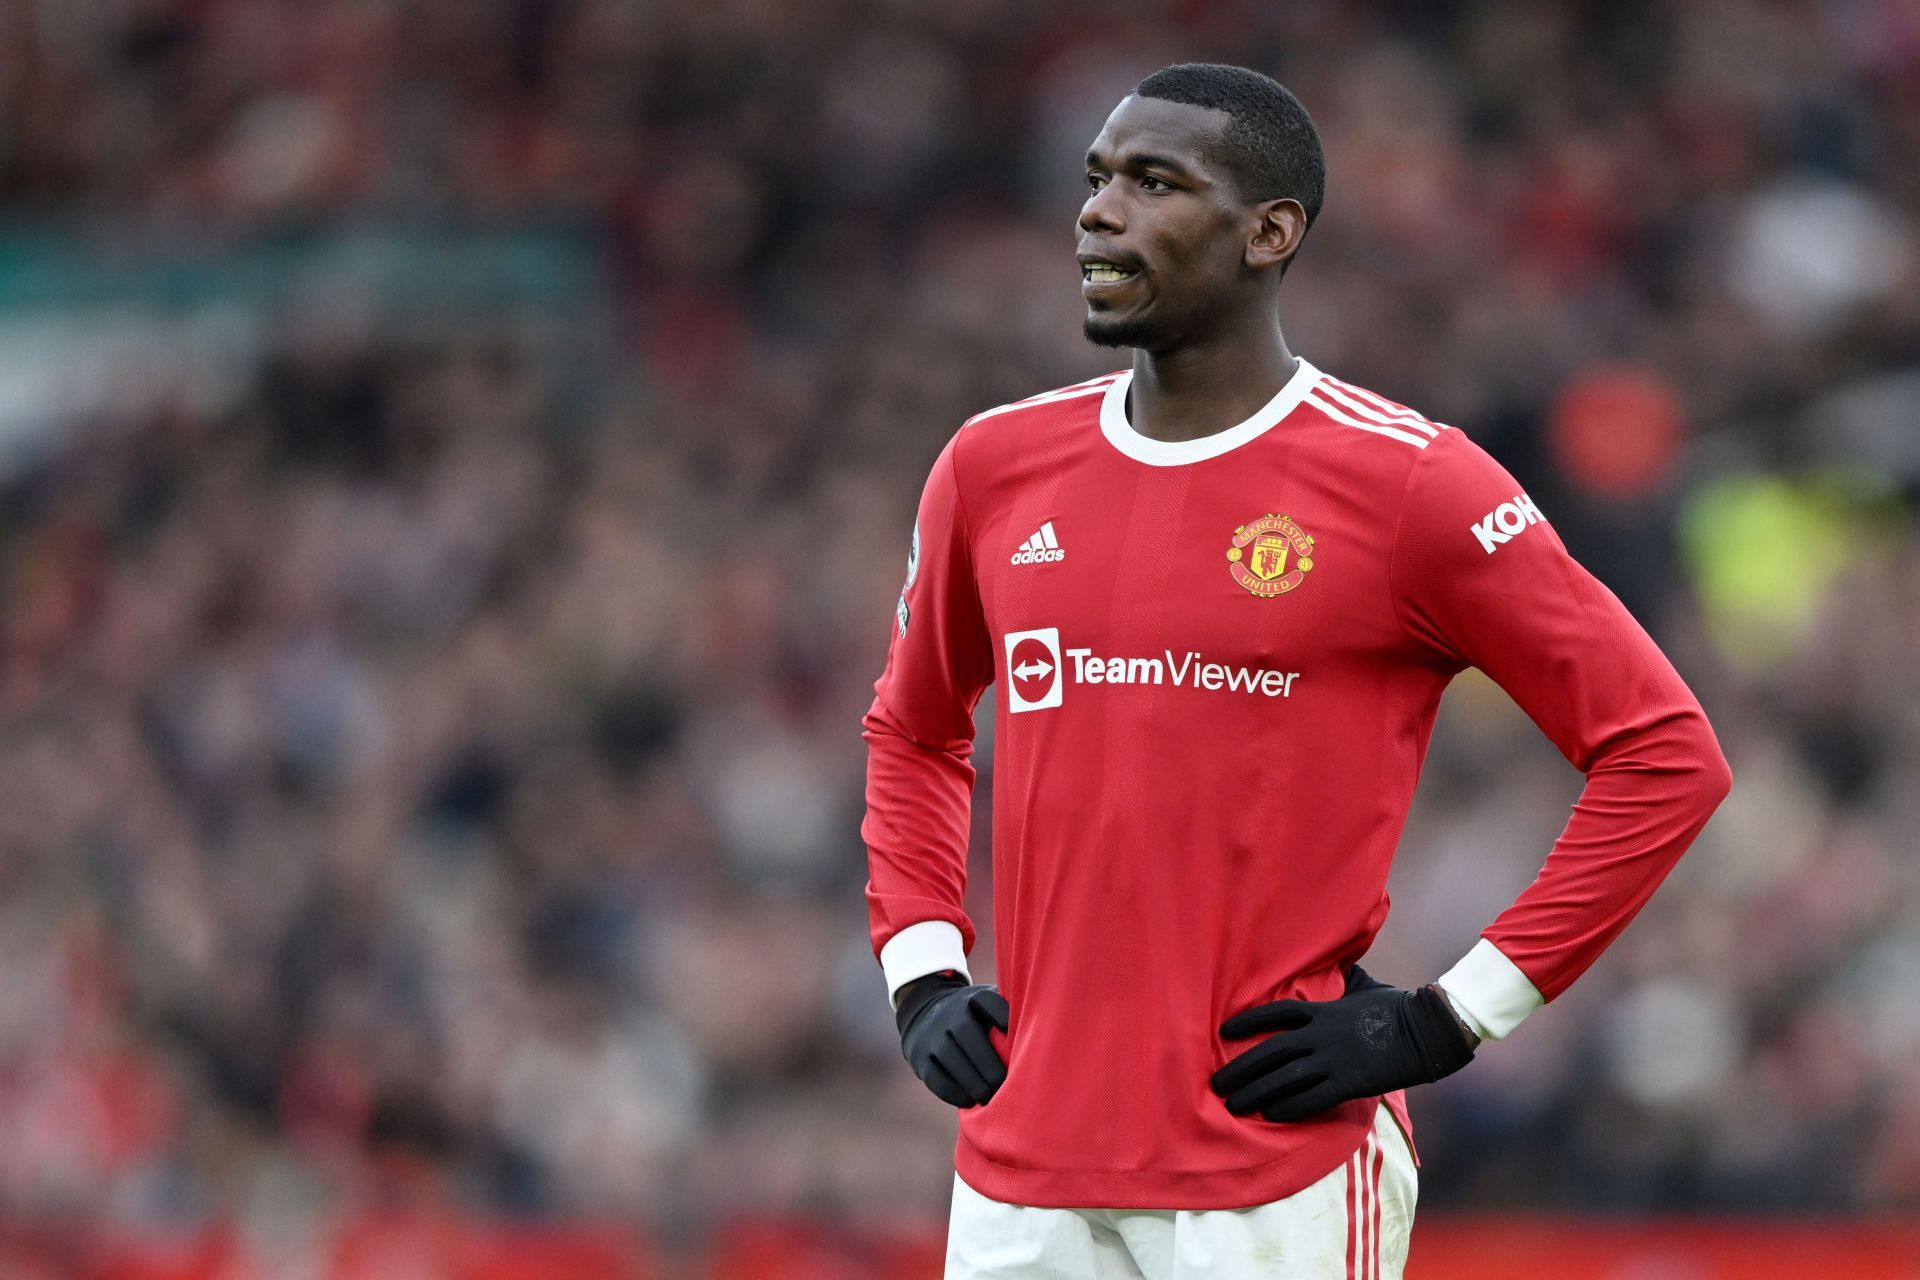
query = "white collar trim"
{"x": 1175, "y": 453}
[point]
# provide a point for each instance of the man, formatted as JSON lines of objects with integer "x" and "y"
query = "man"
{"x": 1221, "y": 593}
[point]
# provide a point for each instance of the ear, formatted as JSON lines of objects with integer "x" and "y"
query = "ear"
{"x": 1282, "y": 225}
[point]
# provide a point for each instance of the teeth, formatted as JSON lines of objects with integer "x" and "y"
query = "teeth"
{"x": 1101, "y": 273}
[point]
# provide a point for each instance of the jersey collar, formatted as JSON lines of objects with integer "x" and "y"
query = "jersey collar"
{"x": 1174, "y": 453}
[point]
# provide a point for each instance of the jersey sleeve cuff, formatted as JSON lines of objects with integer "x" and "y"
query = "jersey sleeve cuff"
{"x": 921, "y": 949}
{"x": 1490, "y": 992}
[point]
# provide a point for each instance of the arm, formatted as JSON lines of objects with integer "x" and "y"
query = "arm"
{"x": 1517, "y": 606}
{"x": 919, "y": 735}
{"x": 1479, "y": 578}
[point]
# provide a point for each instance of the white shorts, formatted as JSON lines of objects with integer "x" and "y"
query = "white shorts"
{"x": 1353, "y": 1224}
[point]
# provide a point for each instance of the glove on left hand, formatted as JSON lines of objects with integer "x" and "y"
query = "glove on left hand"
{"x": 1373, "y": 1040}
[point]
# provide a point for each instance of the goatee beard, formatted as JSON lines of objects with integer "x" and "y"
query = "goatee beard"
{"x": 1103, "y": 331}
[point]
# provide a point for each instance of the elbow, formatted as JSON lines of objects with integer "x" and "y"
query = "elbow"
{"x": 1716, "y": 775}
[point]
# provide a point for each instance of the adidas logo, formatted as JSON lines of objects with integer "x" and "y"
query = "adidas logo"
{"x": 1040, "y": 548}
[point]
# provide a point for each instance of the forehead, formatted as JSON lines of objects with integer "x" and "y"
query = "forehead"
{"x": 1153, "y": 126}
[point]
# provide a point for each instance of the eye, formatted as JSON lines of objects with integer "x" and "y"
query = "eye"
{"x": 1151, "y": 183}
{"x": 1094, "y": 180}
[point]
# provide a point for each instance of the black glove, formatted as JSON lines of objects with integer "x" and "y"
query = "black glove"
{"x": 1373, "y": 1040}
{"x": 943, "y": 1032}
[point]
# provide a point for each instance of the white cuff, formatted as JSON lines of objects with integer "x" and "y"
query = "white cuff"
{"x": 1490, "y": 991}
{"x": 921, "y": 949}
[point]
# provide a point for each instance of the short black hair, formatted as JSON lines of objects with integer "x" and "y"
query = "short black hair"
{"x": 1271, "y": 147}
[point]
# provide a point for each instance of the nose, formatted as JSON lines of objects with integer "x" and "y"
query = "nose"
{"x": 1102, "y": 212}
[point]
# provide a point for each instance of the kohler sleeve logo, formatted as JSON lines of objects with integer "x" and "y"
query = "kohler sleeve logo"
{"x": 1506, "y": 522}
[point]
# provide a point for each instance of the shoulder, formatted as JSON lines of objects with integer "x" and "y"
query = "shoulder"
{"x": 1444, "y": 478}
{"x": 989, "y": 446}
{"x": 993, "y": 441}
{"x": 1061, "y": 403}
{"x": 1429, "y": 463}
{"x": 1373, "y": 421}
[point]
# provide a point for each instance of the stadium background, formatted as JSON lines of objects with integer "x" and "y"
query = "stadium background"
{"x": 457, "y": 458}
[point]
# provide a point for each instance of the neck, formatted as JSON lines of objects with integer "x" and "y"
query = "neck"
{"x": 1207, "y": 387}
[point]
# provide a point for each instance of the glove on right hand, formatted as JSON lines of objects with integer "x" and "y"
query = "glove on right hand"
{"x": 943, "y": 1033}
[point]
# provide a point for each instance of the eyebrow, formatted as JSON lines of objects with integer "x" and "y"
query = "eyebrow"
{"x": 1146, "y": 160}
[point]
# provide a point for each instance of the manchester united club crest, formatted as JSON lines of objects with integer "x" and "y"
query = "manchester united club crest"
{"x": 1270, "y": 556}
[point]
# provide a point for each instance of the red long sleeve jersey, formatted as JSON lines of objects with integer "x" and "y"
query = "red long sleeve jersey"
{"x": 1219, "y": 662}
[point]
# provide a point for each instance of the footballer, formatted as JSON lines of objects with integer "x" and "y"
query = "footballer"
{"x": 1221, "y": 592}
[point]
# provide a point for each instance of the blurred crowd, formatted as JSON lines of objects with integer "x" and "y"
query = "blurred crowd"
{"x": 429, "y": 765}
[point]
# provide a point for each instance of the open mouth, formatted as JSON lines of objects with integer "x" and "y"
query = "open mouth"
{"x": 1106, "y": 273}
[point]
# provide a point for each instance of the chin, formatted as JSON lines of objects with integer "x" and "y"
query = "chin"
{"x": 1106, "y": 330}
